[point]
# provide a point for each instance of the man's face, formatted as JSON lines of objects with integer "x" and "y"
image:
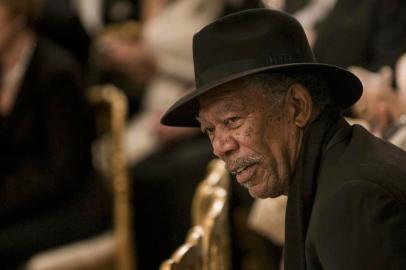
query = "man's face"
{"x": 258, "y": 142}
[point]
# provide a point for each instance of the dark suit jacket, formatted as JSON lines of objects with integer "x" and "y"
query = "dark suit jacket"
{"x": 367, "y": 33}
{"x": 46, "y": 193}
{"x": 358, "y": 219}
{"x": 60, "y": 22}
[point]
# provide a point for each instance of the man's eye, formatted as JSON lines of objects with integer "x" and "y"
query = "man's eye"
{"x": 232, "y": 121}
{"x": 208, "y": 131}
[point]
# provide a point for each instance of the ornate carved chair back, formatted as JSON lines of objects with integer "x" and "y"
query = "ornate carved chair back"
{"x": 217, "y": 175}
{"x": 210, "y": 210}
{"x": 188, "y": 256}
{"x": 115, "y": 103}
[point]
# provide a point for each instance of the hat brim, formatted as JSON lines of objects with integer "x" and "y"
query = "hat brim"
{"x": 345, "y": 90}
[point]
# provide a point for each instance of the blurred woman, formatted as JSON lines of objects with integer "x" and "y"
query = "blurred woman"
{"x": 47, "y": 197}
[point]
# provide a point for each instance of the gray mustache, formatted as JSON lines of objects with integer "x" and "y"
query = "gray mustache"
{"x": 233, "y": 165}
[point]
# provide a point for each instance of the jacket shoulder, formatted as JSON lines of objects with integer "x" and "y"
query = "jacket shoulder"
{"x": 366, "y": 158}
{"x": 360, "y": 226}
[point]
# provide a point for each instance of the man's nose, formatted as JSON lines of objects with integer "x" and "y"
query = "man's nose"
{"x": 224, "y": 144}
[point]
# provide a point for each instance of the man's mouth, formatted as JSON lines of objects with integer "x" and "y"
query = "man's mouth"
{"x": 239, "y": 170}
{"x": 244, "y": 174}
{"x": 244, "y": 169}
{"x": 238, "y": 166}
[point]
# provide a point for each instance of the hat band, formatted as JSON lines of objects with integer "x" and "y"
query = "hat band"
{"x": 231, "y": 68}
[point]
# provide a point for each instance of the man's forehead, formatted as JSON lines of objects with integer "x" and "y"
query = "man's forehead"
{"x": 230, "y": 95}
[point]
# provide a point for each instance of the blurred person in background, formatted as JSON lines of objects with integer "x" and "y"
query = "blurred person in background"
{"x": 111, "y": 19}
{"x": 368, "y": 33}
{"x": 365, "y": 33}
{"x": 384, "y": 107}
{"x": 72, "y": 24}
{"x": 396, "y": 133}
{"x": 48, "y": 195}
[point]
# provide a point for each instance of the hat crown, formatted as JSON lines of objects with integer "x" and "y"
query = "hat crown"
{"x": 251, "y": 42}
{"x": 246, "y": 40}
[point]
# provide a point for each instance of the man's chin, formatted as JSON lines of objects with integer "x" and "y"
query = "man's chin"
{"x": 257, "y": 193}
{"x": 263, "y": 193}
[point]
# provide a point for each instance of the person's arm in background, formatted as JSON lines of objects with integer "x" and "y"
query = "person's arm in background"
{"x": 151, "y": 8}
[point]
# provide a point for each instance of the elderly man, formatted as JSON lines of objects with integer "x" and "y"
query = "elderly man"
{"x": 272, "y": 114}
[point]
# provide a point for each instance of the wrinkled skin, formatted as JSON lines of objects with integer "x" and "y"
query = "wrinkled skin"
{"x": 259, "y": 142}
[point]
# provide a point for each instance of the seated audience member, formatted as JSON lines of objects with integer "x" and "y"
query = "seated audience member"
{"x": 372, "y": 37}
{"x": 365, "y": 33}
{"x": 73, "y": 25}
{"x": 373, "y": 106}
{"x": 308, "y": 12}
{"x": 396, "y": 134}
{"x": 267, "y": 216}
{"x": 383, "y": 106}
{"x": 47, "y": 194}
{"x": 275, "y": 117}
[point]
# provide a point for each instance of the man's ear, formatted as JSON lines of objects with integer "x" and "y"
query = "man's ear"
{"x": 300, "y": 104}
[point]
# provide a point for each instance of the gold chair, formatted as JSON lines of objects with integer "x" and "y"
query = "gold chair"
{"x": 210, "y": 213}
{"x": 117, "y": 103}
{"x": 217, "y": 176}
{"x": 189, "y": 255}
{"x": 216, "y": 241}
{"x": 210, "y": 210}
{"x": 109, "y": 248}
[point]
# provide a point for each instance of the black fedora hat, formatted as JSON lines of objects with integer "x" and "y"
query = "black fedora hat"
{"x": 249, "y": 42}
